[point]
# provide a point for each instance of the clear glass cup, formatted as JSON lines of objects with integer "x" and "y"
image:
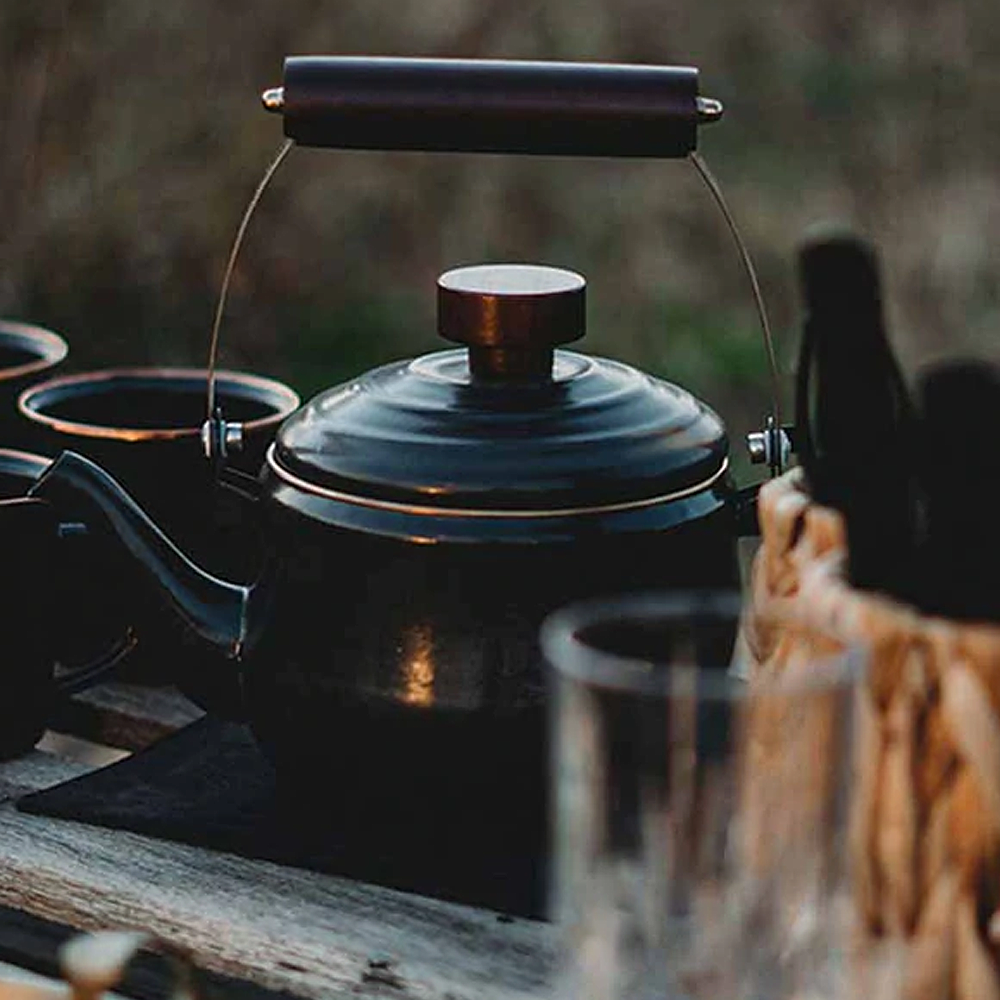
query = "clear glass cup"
{"x": 700, "y": 821}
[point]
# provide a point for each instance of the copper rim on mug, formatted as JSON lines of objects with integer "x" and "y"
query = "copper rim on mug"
{"x": 41, "y": 349}
{"x": 35, "y": 402}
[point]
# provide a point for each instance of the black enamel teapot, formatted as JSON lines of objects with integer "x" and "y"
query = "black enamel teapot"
{"x": 421, "y": 520}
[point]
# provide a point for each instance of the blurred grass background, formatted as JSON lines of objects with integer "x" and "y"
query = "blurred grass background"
{"x": 132, "y": 138}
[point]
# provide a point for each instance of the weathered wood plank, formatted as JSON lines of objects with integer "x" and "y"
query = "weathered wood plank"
{"x": 30, "y": 947}
{"x": 74, "y": 748}
{"x": 35, "y": 771}
{"x": 128, "y": 716}
{"x": 284, "y": 929}
{"x": 309, "y": 934}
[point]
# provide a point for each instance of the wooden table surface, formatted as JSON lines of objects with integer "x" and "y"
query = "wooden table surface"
{"x": 256, "y": 923}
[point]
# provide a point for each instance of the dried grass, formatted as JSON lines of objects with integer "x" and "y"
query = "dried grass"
{"x": 136, "y": 138}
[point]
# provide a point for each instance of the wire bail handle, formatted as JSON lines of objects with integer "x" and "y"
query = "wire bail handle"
{"x": 495, "y": 106}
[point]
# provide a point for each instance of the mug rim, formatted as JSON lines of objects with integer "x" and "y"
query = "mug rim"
{"x": 18, "y": 457}
{"x": 283, "y": 399}
{"x": 571, "y": 657}
{"x": 48, "y": 347}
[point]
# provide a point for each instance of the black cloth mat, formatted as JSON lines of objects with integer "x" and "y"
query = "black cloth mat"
{"x": 208, "y": 785}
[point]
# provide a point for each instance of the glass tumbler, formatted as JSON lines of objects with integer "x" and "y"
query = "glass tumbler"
{"x": 700, "y": 820}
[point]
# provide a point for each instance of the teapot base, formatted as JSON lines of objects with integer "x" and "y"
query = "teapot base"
{"x": 411, "y": 765}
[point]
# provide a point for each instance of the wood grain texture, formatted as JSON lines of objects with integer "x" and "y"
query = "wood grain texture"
{"x": 127, "y": 716}
{"x": 35, "y": 771}
{"x": 285, "y": 929}
{"x": 31, "y": 946}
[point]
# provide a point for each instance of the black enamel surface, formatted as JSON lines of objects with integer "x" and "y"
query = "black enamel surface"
{"x": 424, "y": 670}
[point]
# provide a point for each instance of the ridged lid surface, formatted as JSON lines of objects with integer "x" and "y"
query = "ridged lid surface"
{"x": 510, "y": 424}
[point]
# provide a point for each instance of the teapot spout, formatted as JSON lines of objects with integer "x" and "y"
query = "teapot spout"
{"x": 214, "y": 609}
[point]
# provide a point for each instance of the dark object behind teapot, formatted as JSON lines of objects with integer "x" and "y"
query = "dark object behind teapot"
{"x": 959, "y": 474}
{"x": 854, "y": 418}
{"x": 59, "y": 631}
{"x": 26, "y": 666}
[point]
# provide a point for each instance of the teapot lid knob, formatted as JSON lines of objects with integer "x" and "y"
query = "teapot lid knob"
{"x": 511, "y": 316}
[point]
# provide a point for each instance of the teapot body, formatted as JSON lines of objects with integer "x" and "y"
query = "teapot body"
{"x": 423, "y": 520}
{"x": 406, "y": 663}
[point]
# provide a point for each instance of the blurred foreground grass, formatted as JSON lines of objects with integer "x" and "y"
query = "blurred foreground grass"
{"x": 133, "y": 137}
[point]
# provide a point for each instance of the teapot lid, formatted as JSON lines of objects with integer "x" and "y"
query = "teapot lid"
{"x": 512, "y": 423}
